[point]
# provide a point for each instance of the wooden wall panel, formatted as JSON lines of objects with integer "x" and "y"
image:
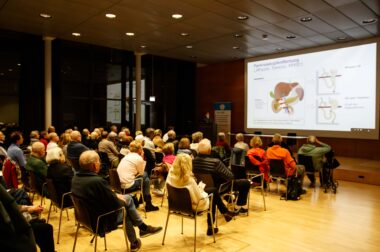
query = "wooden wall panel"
{"x": 225, "y": 82}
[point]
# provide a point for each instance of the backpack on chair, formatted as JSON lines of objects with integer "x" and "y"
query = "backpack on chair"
{"x": 294, "y": 189}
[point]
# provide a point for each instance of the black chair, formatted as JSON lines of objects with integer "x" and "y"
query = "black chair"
{"x": 291, "y": 141}
{"x": 74, "y": 163}
{"x": 105, "y": 164}
{"x": 238, "y": 157}
{"x": 116, "y": 186}
{"x": 278, "y": 173}
{"x": 307, "y": 161}
{"x": 34, "y": 188}
{"x": 159, "y": 157}
{"x": 62, "y": 204}
{"x": 98, "y": 226}
{"x": 179, "y": 202}
{"x": 252, "y": 172}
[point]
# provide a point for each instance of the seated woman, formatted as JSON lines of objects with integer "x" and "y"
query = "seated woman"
{"x": 257, "y": 156}
{"x": 240, "y": 142}
{"x": 168, "y": 150}
{"x": 196, "y": 137}
{"x": 60, "y": 173}
{"x": 184, "y": 146}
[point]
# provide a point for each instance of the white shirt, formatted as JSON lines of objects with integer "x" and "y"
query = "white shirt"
{"x": 130, "y": 166}
{"x": 242, "y": 145}
{"x": 51, "y": 145}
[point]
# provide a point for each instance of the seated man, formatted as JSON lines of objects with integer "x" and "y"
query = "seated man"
{"x": 107, "y": 145}
{"x": 87, "y": 185}
{"x": 278, "y": 152}
{"x": 75, "y": 149}
{"x": 37, "y": 164}
{"x": 317, "y": 153}
{"x": 203, "y": 163}
{"x": 132, "y": 166}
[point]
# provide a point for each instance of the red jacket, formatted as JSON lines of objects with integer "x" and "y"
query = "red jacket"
{"x": 10, "y": 174}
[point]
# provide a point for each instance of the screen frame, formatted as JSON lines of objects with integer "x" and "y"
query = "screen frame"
{"x": 322, "y": 133}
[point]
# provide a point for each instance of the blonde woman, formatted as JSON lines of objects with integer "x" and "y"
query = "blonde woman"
{"x": 258, "y": 157}
{"x": 240, "y": 142}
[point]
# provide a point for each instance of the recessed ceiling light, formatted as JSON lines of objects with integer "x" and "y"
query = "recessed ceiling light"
{"x": 10, "y": 69}
{"x": 189, "y": 46}
{"x": 18, "y": 64}
{"x": 306, "y": 19}
{"x": 130, "y": 34}
{"x": 184, "y": 34}
{"x": 369, "y": 21}
{"x": 110, "y": 15}
{"x": 45, "y": 15}
{"x": 237, "y": 35}
{"x": 235, "y": 47}
{"x": 341, "y": 38}
{"x": 291, "y": 36}
{"x": 264, "y": 37}
{"x": 242, "y": 17}
{"x": 2, "y": 74}
{"x": 177, "y": 16}
{"x": 76, "y": 34}
{"x": 143, "y": 46}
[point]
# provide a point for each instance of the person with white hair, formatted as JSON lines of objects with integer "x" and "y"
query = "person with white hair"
{"x": 316, "y": 149}
{"x": 60, "y": 173}
{"x": 240, "y": 142}
{"x": 53, "y": 141}
{"x": 75, "y": 148}
{"x": 37, "y": 164}
{"x": 108, "y": 146}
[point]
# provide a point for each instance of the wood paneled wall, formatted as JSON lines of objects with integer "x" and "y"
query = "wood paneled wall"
{"x": 225, "y": 82}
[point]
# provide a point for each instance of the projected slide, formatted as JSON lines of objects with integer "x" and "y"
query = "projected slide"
{"x": 332, "y": 90}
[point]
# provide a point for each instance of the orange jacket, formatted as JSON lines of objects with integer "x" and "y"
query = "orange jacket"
{"x": 277, "y": 152}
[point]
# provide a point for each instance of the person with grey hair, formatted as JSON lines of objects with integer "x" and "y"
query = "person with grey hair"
{"x": 240, "y": 142}
{"x": 316, "y": 149}
{"x": 37, "y": 164}
{"x": 204, "y": 163}
{"x": 196, "y": 137}
{"x": 60, "y": 173}
{"x": 53, "y": 141}
{"x": 75, "y": 148}
{"x": 100, "y": 199}
{"x": 108, "y": 146}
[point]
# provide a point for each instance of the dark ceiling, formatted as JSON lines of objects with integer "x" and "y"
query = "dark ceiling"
{"x": 215, "y": 34}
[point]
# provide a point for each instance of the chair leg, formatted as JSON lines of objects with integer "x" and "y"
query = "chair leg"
{"x": 195, "y": 232}
{"x": 51, "y": 203}
{"x": 105, "y": 242}
{"x": 212, "y": 225}
{"x": 67, "y": 214}
{"x": 163, "y": 196}
{"x": 181, "y": 225}
{"x": 262, "y": 192}
{"x": 76, "y": 235}
{"x": 96, "y": 242}
{"x": 59, "y": 225}
{"x": 166, "y": 226}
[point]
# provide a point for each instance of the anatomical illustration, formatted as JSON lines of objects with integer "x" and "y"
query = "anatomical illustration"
{"x": 327, "y": 81}
{"x": 284, "y": 95}
{"x": 327, "y": 110}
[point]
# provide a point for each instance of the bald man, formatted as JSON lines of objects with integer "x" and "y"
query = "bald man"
{"x": 36, "y": 163}
{"x": 75, "y": 149}
{"x": 99, "y": 198}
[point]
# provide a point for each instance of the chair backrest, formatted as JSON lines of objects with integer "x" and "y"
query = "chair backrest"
{"x": 105, "y": 163}
{"x": 251, "y": 167}
{"x": 307, "y": 161}
{"x": 115, "y": 180}
{"x": 291, "y": 141}
{"x": 205, "y": 178}
{"x": 52, "y": 192}
{"x": 33, "y": 181}
{"x": 74, "y": 162}
{"x": 159, "y": 157}
{"x": 238, "y": 157}
{"x": 82, "y": 214}
{"x": 277, "y": 168}
{"x": 238, "y": 171}
{"x": 179, "y": 200}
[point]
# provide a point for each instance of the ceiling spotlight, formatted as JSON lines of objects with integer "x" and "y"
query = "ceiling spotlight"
{"x": 110, "y": 15}
{"x": 341, "y": 38}
{"x": 242, "y": 17}
{"x": 306, "y": 19}
{"x": 189, "y": 46}
{"x": 369, "y": 21}
{"x": 2, "y": 74}
{"x": 235, "y": 47}
{"x": 10, "y": 69}
{"x": 237, "y": 35}
{"x": 130, "y": 34}
{"x": 45, "y": 15}
{"x": 76, "y": 34}
{"x": 184, "y": 34}
{"x": 143, "y": 46}
{"x": 18, "y": 64}
{"x": 291, "y": 36}
{"x": 265, "y": 36}
{"x": 177, "y": 16}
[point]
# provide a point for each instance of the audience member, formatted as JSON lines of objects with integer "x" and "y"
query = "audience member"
{"x": 53, "y": 141}
{"x": 51, "y": 129}
{"x": 3, "y": 152}
{"x": 240, "y": 142}
{"x": 166, "y": 135}
{"x": 196, "y": 137}
{"x": 132, "y": 166}
{"x": 34, "y": 136}
{"x": 184, "y": 146}
{"x": 44, "y": 138}
{"x": 107, "y": 145}
{"x": 148, "y": 143}
{"x": 37, "y": 164}
{"x": 221, "y": 142}
{"x": 75, "y": 149}
{"x": 64, "y": 140}
{"x": 258, "y": 157}
{"x": 168, "y": 150}
{"x": 16, "y": 154}
{"x": 317, "y": 153}
{"x": 94, "y": 190}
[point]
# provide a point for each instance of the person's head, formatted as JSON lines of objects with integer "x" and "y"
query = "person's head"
{"x": 112, "y": 136}
{"x": 157, "y": 140}
{"x": 204, "y": 146}
{"x": 122, "y": 136}
{"x": 256, "y": 142}
{"x": 104, "y": 134}
{"x": 197, "y": 136}
{"x": 239, "y": 137}
{"x": 136, "y": 146}
{"x": 94, "y": 135}
{"x": 38, "y": 149}
{"x": 183, "y": 167}
{"x": 85, "y": 132}
{"x": 51, "y": 129}
{"x": 89, "y": 161}
{"x": 149, "y": 132}
{"x": 158, "y": 132}
{"x": 172, "y": 135}
{"x": 168, "y": 149}
{"x": 184, "y": 143}
{"x": 113, "y": 128}
{"x": 34, "y": 134}
{"x": 65, "y": 139}
{"x": 44, "y": 135}
{"x": 2, "y": 136}
{"x": 53, "y": 137}
{"x": 311, "y": 139}
{"x": 277, "y": 139}
{"x": 140, "y": 138}
{"x": 138, "y": 133}
{"x": 16, "y": 138}
{"x": 76, "y": 136}
{"x": 55, "y": 155}
{"x": 126, "y": 130}
{"x": 221, "y": 136}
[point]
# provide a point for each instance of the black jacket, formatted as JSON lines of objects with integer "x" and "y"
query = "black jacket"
{"x": 61, "y": 174}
